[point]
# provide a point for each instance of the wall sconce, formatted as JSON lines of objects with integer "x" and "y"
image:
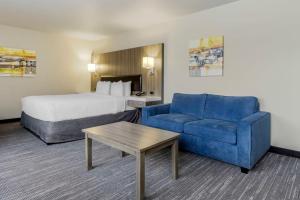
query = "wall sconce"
{"x": 148, "y": 63}
{"x": 94, "y": 75}
{"x": 92, "y": 68}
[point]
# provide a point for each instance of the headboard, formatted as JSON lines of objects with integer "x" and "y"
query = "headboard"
{"x": 129, "y": 62}
{"x": 136, "y": 81}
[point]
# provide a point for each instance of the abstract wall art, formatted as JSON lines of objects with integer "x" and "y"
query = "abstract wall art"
{"x": 17, "y": 62}
{"x": 206, "y": 56}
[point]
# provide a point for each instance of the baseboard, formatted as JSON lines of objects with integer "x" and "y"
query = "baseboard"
{"x": 286, "y": 152}
{"x": 4, "y": 121}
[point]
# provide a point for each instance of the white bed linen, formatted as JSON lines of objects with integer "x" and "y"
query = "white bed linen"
{"x": 72, "y": 106}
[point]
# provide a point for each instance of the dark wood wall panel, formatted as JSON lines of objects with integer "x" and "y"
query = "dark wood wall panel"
{"x": 129, "y": 62}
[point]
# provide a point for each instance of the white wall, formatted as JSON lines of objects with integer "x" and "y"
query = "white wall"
{"x": 262, "y": 57}
{"x": 61, "y": 67}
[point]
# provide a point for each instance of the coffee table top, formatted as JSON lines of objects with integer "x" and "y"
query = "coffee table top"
{"x": 134, "y": 136}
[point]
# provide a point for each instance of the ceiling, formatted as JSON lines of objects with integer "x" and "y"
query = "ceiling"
{"x": 95, "y": 19}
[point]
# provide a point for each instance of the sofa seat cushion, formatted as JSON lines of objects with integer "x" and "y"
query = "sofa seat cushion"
{"x": 218, "y": 130}
{"x": 172, "y": 122}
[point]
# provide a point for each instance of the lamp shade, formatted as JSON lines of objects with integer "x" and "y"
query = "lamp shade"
{"x": 91, "y": 67}
{"x": 148, "y": 62}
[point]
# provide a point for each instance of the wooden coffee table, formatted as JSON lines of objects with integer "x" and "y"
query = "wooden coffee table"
{"x": 136, "y": 140}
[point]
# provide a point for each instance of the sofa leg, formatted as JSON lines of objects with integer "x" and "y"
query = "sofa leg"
{"x": 244, "y": 170}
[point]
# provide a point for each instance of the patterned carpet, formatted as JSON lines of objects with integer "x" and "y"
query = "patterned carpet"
{"x": 29, "y": 169}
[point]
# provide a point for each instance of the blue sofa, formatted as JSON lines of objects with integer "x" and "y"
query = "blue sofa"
{"x": 226, "y": 128}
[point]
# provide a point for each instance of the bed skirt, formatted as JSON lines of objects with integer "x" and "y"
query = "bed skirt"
{"x": 70, "y": 130}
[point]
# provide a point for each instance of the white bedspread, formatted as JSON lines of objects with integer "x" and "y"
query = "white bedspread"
{"x": 72, "y": 106}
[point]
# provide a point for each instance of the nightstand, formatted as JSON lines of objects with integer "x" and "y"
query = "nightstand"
{"x": 142, "y": 101}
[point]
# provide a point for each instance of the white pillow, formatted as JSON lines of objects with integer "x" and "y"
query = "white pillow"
{"x": 116, "y": 89}
{"x": 103, "y": 87}
{"x": 127, "y": 88}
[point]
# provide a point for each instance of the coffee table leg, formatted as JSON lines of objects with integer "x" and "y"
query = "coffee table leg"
{"x": 175, "y": 160}
{"x": 140, "y": 175}
{"x": 88, "y": 152}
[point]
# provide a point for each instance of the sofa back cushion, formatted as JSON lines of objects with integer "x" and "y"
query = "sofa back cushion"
{"x": 229, "y": 108}
{"x": 190, "y": 104}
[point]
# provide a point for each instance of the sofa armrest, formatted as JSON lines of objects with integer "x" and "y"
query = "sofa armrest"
{"x": 154, "y": 110}
{"x": 253, "y": 138}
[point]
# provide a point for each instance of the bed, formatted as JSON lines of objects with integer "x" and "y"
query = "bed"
{"x": 60, "y": 118}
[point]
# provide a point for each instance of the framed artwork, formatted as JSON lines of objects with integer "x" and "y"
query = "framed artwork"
{"x": 206, "y": 56}
{"x": 17, "y": 62}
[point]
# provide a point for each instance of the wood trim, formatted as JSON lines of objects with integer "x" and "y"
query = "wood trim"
{"x": 5, "y": 121}
{"x": 285, "y": 152}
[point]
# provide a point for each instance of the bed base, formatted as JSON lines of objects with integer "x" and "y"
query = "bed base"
{"x": 70, "y": 130}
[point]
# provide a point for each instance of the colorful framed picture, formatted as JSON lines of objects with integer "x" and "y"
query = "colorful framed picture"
{"x": 206, "y": 56}
{"x": 17, "y": 62}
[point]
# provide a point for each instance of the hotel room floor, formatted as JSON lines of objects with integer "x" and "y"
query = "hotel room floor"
{"x": 29, "y": 169}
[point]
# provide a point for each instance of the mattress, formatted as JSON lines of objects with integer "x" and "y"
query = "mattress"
{"x": 54, "y": 108}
